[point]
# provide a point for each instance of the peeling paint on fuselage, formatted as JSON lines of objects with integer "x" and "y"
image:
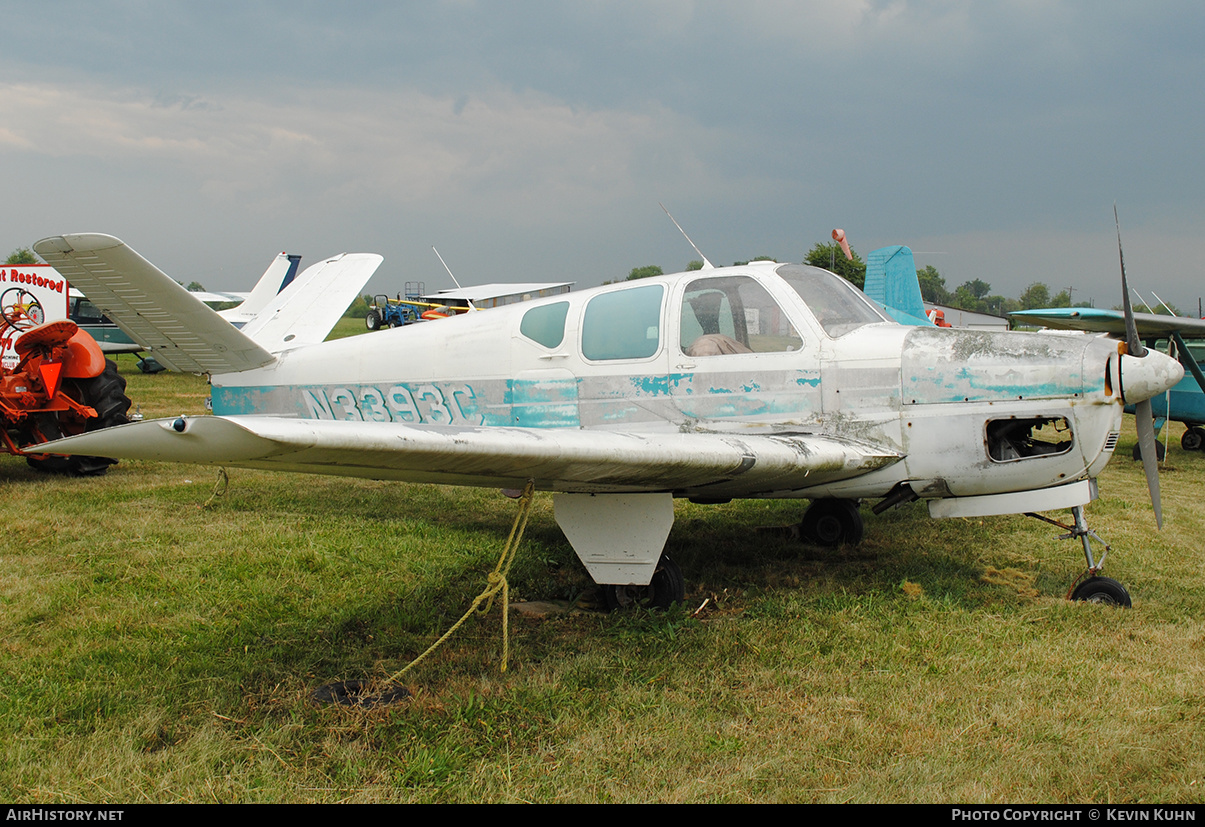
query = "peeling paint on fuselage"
{"x": 922, "y": 392}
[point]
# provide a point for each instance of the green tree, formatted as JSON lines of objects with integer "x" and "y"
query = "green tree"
{"x": 932, "y": 285}
{"x": 195, "y": 287}
{"x": 830, "y": 257}
{"x": 1036, "y": 296}
{"x": 22, "y": 255}
{"x": 693, "y": 265}
{"x": 644, "y": 272}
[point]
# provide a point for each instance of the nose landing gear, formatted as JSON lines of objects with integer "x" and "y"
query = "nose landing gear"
{"x": 1090, "y": 587}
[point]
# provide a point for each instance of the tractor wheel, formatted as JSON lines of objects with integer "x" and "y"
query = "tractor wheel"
{"x": 107, "y": 395}
{"x": 373, "y": 320}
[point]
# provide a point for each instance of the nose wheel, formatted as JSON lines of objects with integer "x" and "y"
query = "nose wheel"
{"x": 1093, "y": 588}
{"x": 1103, "y": 590}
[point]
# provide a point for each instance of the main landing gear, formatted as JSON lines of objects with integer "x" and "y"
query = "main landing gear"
{"x": 665, "y": 589}
{"x": 831, "y": 523}
{"x": 1091, "y": 587}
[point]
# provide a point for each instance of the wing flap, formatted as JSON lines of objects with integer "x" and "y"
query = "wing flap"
{"x": 568, "y": 460}
{"x": 173, "y": 324}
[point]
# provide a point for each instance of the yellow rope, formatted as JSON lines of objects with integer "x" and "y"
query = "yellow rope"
{"x": 219, "y": 487}
{"x": 496, "y": 583}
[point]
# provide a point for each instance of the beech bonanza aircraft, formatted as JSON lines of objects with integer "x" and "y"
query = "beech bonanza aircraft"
{"x": 763, "y": 380}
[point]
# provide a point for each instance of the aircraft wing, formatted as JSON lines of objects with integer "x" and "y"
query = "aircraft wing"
{"x": 567, "y": 460}
{"x": 1096, "y": 320}
{"x": 173, "y": 324}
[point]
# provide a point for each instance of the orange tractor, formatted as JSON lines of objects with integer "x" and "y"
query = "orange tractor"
{"x": 61, "y": 385}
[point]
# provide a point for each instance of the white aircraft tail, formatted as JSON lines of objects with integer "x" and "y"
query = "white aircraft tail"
{"x": 280, "y": 274}
{"x": 305, "y": 311}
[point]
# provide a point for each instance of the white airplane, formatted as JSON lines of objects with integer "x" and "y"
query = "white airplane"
{"x": 765, "y": 380}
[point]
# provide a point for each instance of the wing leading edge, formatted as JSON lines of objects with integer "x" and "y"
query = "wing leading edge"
{"x": 564, "y": 460}
{"x": 1096, "y": 320}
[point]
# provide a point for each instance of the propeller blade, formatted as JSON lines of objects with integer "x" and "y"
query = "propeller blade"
{"x": 1142, "y": 411}
{"x": 1133, "y": 343}
{"x": 1150, "y": 459}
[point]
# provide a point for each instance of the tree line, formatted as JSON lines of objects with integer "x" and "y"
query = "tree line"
{"x": 974, "y": 295}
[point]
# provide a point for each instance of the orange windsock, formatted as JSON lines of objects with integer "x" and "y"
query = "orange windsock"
{"x": 839, "y": 237}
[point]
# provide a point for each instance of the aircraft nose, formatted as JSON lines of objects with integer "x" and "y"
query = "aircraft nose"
{"x": 1147, "y": 376}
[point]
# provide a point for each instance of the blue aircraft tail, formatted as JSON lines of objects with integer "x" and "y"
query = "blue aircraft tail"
{"x": 891, "y": 281}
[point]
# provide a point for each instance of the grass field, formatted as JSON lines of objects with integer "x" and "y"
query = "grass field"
{"x": 158, "y": 650}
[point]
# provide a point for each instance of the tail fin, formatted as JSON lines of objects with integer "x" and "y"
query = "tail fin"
{"x": 279, "y": 275}
{"x": 173, "y": 324}
{"x": 305, "y": 311}
{"x": 891, "y": 281}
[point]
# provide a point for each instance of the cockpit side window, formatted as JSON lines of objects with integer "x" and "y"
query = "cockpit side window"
{"x": 624, "y": 324}
{"x": 730, "y": 315}
{"x": 835, "y": 303}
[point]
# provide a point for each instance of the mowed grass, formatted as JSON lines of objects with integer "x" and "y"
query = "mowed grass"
{"x": 157, "y": 649}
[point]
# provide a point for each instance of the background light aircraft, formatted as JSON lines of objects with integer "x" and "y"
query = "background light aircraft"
{"x": 1183, "y": 403}
{"x": 763, "y": 380}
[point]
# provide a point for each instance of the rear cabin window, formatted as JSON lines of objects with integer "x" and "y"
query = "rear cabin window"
{"x": 730, "y": 315}
{"x": 625, "y": 324}
{"x": 546, "y": 324}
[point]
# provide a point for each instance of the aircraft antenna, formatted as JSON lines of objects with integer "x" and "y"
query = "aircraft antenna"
{"x": 1162, "y": 302}
{"x": 707, "y": 265}
{"x": 454, "y": 281}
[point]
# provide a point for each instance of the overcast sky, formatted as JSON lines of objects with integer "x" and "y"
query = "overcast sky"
{"x": 533, "y": 140}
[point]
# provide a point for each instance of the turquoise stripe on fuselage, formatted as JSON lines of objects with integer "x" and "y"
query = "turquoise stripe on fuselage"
{"x": 537, "y": 403}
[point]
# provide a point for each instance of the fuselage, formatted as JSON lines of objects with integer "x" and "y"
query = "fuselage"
{"x": 760, "y": 349}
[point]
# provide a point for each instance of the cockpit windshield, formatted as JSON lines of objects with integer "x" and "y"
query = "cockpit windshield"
{"x": 835, "y": 303}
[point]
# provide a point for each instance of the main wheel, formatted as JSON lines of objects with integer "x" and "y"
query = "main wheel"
{"x": 1160, "y": 451}
{"x": 107, "y": 395}
{"x": 666, "y": 588}
{"x": 832, "y": 522}
{"x": 1104, "y": 590}
{"x": 1193, "y": 439}
{"x": 373, "y": 320}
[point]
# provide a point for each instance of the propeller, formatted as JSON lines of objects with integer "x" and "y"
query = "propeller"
{"x": 1142, "y": 410}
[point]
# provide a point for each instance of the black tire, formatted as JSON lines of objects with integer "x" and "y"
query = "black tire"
{"x": 667, "y": 588}
{"x": 373, "y": 320}
{"x": 1160, "y": 452}
{"x": 1103, "y": 590}
{"x": 1193, "y": 439}
{"x": 831, "y": 523}
{"x": 107, "y": 395}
